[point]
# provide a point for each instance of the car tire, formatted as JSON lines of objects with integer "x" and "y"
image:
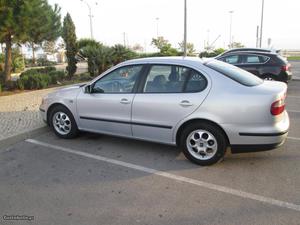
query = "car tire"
{"x": 63, "y": 123}
{"x": 203, "y": 143}
{"x": 269, "y": 77}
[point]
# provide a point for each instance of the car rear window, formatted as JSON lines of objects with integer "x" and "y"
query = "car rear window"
{"x": 241, "y": 76}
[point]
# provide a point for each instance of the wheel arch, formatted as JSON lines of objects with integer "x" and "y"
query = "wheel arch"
{"x": 52, "y": 106}
{"x": 187, "y": 123}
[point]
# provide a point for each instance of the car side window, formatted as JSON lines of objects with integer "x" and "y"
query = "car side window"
{"x": 252, "y": 59}
{"x": 196, "y": 82}
{"x": 263, "y": 59}
{"x": 232, "y": 59}
{"x": 121, "y": 80}
{"x": 173, "y": 79}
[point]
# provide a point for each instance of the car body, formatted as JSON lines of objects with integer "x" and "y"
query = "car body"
{"x": 188, "y": 102}
{"x": 266, "y": 65}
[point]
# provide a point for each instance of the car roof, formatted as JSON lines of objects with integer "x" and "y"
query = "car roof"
{"x": 249, "y": 52}
{"x": 251, "y": 49}
{"x": 163, "y": 59}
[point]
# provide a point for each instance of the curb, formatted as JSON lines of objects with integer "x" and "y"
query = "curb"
{"x": 5, "y": 143}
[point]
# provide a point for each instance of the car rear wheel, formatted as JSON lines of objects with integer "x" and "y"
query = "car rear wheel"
{"x": 203, "y": 143}
{"x": 63, "y": 122}
{"x": 268, "y": 77}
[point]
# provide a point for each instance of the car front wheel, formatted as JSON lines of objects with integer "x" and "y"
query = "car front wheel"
{"x": 203, "y": 143}
{"x": 63, "y": 122}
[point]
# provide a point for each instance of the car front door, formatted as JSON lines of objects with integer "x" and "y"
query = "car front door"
{"x": 107, "y": 108}
{"x": 168, "y": 94}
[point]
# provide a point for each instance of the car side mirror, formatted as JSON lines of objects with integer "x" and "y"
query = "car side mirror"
{"x": 88, "y": 89}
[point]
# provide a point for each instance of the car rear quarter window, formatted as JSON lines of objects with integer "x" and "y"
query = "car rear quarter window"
{"x": 196, "y": 82}
{"x": 264, "y": 59}
{"x": 241, "y": 76}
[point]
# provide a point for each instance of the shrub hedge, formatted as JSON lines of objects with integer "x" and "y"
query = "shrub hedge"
{"x": 39, "y": 78}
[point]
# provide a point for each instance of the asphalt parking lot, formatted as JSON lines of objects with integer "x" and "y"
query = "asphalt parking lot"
{"x": 97, "y": 179}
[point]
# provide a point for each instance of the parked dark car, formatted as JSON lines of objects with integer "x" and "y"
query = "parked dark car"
{"x": 266, "y": 65}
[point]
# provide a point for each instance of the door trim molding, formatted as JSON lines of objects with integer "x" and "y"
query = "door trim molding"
{"x": 126, "y": 122}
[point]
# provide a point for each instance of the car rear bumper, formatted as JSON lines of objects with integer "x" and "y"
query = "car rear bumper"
{"x": 257, "y": 147}
{"x": 257, "y": 137}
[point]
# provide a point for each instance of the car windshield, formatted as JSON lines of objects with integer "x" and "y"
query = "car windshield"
{"x": 241, "y": 76}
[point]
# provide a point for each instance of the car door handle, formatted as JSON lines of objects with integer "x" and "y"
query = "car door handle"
{"x": 185, "y": 103}
{"x": 124, "y": 101}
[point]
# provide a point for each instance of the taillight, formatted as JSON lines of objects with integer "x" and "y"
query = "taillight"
{"x": 286, "y": 68}
{"x": 278, "y": 106}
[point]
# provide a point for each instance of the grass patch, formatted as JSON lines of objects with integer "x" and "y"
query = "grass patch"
{"x": 294, "y": 58}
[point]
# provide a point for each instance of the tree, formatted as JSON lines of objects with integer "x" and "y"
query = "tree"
{"x": 69, "y": 37}
{"x": 189, "y": 47}
{"x": 121, "y": 53}
{"x": 14, "y": 20}
{"x": 137, "y": 48}
{"x": 159, "y": 42}
{"x": 49, "y": 47}
{"x": 236, "y": 45}
{"x": 83, "y": 42}
{"x": 19, "y": 21}
{"x": 164, "y": 46}
{"x": 44, "y": 26}
{"x": 214, "y": 53}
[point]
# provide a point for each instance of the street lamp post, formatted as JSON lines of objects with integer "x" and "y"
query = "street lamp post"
{"x": 157, "y": 20}
{"x": 261, "y": 23}
{"x": 230, "y": 29}
{"x": 185, "y": 30}
{"x": 91, "y": 16}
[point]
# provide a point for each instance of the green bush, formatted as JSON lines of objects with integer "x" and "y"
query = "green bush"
{"x": 2, "y": 59}
{"x": 57, "y": 76}
{"x": 34, "y": 81}
{"x": 45, "y": 70}
{"x": 20, "y": 84}
{"x": 39, "y": 62}
{"x": 84, "y": 77}
{"x": 0, "y": 87}
{"x": 39, "y": 78}
{"x": 18, "y": 64}
{"x": 10, "y": 85}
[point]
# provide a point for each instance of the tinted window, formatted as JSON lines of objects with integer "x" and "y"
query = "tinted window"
{"x": 232, "y": 59}
{"x": 173, "y": 79}
{"x": 196, "y": 82}
{"x": 235, "y": 73}
{"x": 252, "y": 59}
{"x": 121, "y": 80}
{"x": 256, "y": 59}
{"x": 263, "y": 59}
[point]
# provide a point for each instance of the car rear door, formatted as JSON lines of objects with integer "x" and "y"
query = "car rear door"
{"x": 168, "y": 94}
{"x": 252, "y": 63}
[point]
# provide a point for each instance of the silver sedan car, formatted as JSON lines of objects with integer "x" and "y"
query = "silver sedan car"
{"x": 204, "y": 107}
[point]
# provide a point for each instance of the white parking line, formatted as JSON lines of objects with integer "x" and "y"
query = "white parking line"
{"x": 293, "y": 111}
{"x": 293, "y": 96}
{"x": 210, "y": 186}
{"x": 294, "y": 138}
